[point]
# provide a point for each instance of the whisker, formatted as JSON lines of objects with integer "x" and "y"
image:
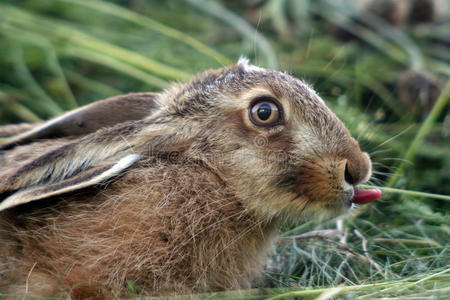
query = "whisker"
{"x": 373, "y": 153}
{"x": 395, "y": 136}
{"x": 381, "y": 165}
{"x": 398, "y": 159}
{"x": 381, "y": 173}
{"x": 365, "y": 130}
{"x": 375, "y": 181}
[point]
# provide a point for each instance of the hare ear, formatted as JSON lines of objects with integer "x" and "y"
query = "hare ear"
{"x": 88, "y": 119}
{"x": 82, "y": 180}
{"x": 12, "y": 130}
{"x": 42, "y": 170}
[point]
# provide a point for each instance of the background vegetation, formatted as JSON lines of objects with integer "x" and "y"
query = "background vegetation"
{"x": 382, "y": 68}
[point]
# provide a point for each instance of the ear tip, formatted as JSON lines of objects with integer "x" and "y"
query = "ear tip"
{"x": 127, "y": 161}
{"x": 244, "y": 64}
{"x": 243, "y": 61}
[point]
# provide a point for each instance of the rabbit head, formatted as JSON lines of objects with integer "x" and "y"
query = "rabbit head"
{"x": 270, "y": 137}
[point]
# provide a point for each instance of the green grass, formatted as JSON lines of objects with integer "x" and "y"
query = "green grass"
{"x": 59, "y": 54}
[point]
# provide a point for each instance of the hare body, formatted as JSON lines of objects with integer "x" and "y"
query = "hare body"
{"x": 183, "y": 199}
{"x": 170, "y": 229}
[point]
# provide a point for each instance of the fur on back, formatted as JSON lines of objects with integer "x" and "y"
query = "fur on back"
{"x": 181, "y": 224}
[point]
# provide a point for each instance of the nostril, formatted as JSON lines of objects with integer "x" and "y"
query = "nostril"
{"x": 348, "y": 177}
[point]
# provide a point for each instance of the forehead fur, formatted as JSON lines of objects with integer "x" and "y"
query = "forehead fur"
{"x": 214, "y": 91}
{"x": 208, "y": 88}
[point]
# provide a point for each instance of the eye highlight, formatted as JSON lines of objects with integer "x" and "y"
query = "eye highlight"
{"x": 265, "y": 111}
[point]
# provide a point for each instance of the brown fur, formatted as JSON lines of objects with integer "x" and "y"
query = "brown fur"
{"x": 11, "y": 130}
{"x": 185, "y": 200}
{"x": 177, "y": 236}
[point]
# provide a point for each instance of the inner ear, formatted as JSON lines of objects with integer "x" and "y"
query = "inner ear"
{"x": 88, "y": 119}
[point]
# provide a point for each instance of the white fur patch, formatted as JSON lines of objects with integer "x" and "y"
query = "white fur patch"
{"x": 122, "y": 164}
{"x": 247, "y": 66}
{"x": 33, "y": 194}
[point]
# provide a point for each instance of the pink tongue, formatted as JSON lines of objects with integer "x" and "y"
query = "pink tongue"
{"x": 365, "y": 196}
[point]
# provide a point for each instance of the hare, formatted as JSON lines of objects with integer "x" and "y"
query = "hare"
{"x": 178, "y": 192}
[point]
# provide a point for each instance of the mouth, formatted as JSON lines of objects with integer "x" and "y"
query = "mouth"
{"x": 365, "y": 196}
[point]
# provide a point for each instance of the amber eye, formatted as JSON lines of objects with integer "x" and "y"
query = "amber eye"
{"x": 265, "y": 112}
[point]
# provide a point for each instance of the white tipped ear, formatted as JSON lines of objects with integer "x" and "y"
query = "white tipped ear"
{"x": 82, "y": 180}
{"x": 35, "y": 171}
{"x": 245, "y": 64}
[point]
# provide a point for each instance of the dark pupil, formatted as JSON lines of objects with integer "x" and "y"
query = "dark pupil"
{"x": 264, "y": 112}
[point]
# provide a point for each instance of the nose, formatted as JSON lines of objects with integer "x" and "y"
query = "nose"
{"x": 348, "y": 177}
{"x": 358, "y": 168}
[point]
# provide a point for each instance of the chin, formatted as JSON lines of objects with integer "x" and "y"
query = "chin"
{"x": 319, "y": 211}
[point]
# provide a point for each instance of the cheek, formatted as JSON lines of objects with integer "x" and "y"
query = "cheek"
{"x": 281, "y": 142}
{"x": 305, "y": 138}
